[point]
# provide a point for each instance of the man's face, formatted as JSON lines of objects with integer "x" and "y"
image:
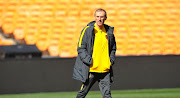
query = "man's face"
{"x": 100, "y": 18}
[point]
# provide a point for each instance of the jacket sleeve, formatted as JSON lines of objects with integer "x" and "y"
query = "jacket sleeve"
{"x": 82, "y": 47}
{"x": 113, "y": 51}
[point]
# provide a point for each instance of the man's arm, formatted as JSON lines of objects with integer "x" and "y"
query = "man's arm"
{"x": 113, "y": 51}
{"x": 82, "y": 48}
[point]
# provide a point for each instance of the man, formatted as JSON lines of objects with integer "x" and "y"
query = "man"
{"x": 96, "y": 55}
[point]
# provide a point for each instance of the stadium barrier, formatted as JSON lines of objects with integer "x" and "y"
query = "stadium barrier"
{"x": 19, "y": 51}
{"x": 54, "y": 75}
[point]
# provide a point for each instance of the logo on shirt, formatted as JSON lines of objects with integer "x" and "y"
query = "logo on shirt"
{"x": 106, "y": 37}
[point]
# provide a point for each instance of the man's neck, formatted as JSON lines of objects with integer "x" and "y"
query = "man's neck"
{"x": 100, "y": 27}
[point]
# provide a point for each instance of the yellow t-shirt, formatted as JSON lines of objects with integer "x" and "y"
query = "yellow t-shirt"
{"x": 101, "y": 61}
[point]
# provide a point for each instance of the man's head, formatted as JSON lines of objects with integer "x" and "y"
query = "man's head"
{"x": 100, "y": 17}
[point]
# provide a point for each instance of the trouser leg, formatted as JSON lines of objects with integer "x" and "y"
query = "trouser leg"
{"x": 86, "y": 87}
{"x": 105, "y": 85}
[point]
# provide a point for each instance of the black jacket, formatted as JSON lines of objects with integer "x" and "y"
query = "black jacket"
{"x": 84, "y": 58}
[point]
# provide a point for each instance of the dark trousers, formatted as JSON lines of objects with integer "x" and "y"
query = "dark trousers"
{"x": 104, "y": 85}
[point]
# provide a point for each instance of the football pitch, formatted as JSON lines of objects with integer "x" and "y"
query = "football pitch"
{"x": 141, "y": 93}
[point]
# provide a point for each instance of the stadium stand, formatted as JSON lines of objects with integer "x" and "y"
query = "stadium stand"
{"x": 142, "y": 27}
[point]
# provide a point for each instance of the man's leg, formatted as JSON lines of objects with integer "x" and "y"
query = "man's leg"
{"x": 86, "y": 86}
{"x": 105, "y": 85}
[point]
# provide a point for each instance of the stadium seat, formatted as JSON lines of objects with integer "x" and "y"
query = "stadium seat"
{"x": 177, "y": 49}
{"x": 143, "y": 46}
{"x": 8, "y": 22}
{"x": 64, "y": 50}
{"x": 20, "y": 26}
{"x": 170, "y": 42}
{"x": 140, "y": 28}
{"x": 39, "y": 2}
{"x": 6, "y": 42}
{"x": 27, "y": 2}
{"x": 8, "y": 27}
{"x": 9, "y": 16}
{"x": 64, "y": 53}
{"x": 131, "y": 46}
{"x": 11, "y": 5}
{"x": 168, "y": 49}
{"x": 2, "y": 4}
{"x": 74, "y": 9}
{"x": 53, "y": 48}
{"x": 42, "y": 43}
{"x": 35, "y": 10}
{"x": 51, "y": 2}
{"x": 19, "y": 33}
{"x": 30, "y": 35}
{"x": 121, "y": 45}
{"x": 156, "y": 46}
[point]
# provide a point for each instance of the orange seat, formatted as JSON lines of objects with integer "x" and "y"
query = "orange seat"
{"x": 30, "y": 39}
{"x": 143, "y": 46}
{"x": 68, "y": 53}
{"x": 121, "y": 49}
{"x": 168, "y": 49}
{"x": 19, "y": 33}
{"x": 2, "y": 4}
{"x": 131, "y": 46}
{"x": 169, "y": 45}
{"x": 156, "y": 48}
{"x": 42, "y": 44}
{"x": 6, "y": 42}
{"x": 64, "y": 49}
{"x": 8, "y": 27}
{"x": 30, "y": 35}
{"x": 65, "y": 53}
{"x": 27, "y": 2}
{"x": 20, "y": 26}
{"x": 177, "y": 50}
{"x": 53, "y": 50}
{"x": 8, "y": 22}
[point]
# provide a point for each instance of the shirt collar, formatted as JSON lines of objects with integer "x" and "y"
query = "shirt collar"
{"x": 95, "y": 27}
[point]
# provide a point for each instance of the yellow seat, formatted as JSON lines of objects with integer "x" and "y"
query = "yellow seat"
{"x": 131, "y": 46}
{"x": 53, "y": 50}
{"x": 30, "y": 39}
{"x": 170, "y": 42}
{"x": 74, "y": 9}
{"x": 65, "y": 53}
{"x": 156, "y": 47}
{"x": 20, "y": 27}
{"x": 121, "y": 47}
{"x": 11, "y": 5}
{"x": 30, "y": 36}
{"x": 53, "y": 47}
{"x": 7, "y": 42}
{"x": 8, "y": 22}
{"x": 2, "y": 4}
{"x": 51, "y": 2}
{"x": 8, "y": 27}
{"x": 73, "y": 50}
{"x": 39, "y": 2}
{"x": 27, "y": 2}
{"x": 42, "y": 44}
{"x": 143, "y": 46}
{"x": 177, "y": 50}
{"x": 64, "y": 49}
{"x": 48, "y": 7}
{"x": 168, "y": 48}
{"x": 85, "y": 12}
{"x": 19, "y": 33}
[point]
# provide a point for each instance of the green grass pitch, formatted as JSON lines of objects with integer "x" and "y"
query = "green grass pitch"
{"x": 141, "y": 93}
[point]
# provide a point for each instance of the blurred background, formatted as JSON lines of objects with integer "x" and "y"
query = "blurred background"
{"x": 147, "y": 36}
{"x": 142, "y": 27}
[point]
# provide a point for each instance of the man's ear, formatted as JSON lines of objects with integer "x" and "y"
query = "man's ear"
{"x": 105, "y": 18}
